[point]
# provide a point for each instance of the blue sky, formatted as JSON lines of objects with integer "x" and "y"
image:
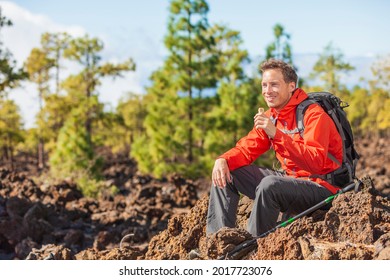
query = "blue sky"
{"x": 357, "y": 27}
{"x": 136, "y": 28}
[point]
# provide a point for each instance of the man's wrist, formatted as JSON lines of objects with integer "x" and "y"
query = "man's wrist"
{"x": 271, "y": 132}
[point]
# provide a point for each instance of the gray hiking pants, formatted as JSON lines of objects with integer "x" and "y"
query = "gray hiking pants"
{"x": 272, "y": 192}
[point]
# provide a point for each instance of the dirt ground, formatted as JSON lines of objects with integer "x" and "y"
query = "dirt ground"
{"x": 165, "y": 219}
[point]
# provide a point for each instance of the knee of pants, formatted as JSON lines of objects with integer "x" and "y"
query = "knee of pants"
{"x": 268, "y": 185}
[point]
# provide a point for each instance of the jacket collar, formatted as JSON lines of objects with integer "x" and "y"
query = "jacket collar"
{"x": 297, "y": 97}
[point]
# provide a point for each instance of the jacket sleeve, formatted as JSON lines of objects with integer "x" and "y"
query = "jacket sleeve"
{"x": 247, "y": 149}
{"x": 311, "y": 152}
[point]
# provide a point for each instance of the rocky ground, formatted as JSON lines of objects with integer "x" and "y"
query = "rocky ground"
{"x": 165, "y": 219}
{"x": 375, "y": 161}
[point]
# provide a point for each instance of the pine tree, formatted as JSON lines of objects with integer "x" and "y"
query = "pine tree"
{"x": 118, "y": 129}
{"x": 281, "y": 49}
{"x": 190, "y": 63}
{"x": 38, "y": 67}
{"x": 11, "y": 132}
{"x": 133, "y": 113}
{"x": 369, "y": 110}
{"x": 86, "y": 51}
{"x": 43, "y": 65}
{"x": 52, "y": 117}
{"x": 160, "y": 151}
{"x": 11, "y": 75}
{"x": 54, "y": 45}
{"x": 175, "y": 118}
{"x": 74, "y": 157}
{"x": 378, "y": 111}
{"x": 237, "y": 98}
{"x": 329, "y": 67}
{"x": 357, "y": 110}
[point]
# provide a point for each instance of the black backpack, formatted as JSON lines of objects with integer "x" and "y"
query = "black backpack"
{"x": 333, "y": 106}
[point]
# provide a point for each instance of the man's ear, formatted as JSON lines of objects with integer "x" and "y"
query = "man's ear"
{"x": 291, "y": 86}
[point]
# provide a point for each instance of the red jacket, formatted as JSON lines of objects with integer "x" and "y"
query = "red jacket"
{"x": 299, "y": 157}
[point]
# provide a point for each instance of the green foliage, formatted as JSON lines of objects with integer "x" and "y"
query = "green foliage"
{"x": 73, "y": 151}
{"x": 10, "y": 119}
{"x": 161, "y": 146}
{"x": 237, "y": 100}
{"x": 30, "y": 141}
{"x": 10, "y": 74}
{"x": 118, "y": 130}
{"x": 37, "y": 66}
{"x": 383, "y": 117}
{"x": 10, "y": 129}
{"x": 54, "y": 46}
{"x": 369, "y": 109}
{"x": 375, "y": 119}
{"x": 231, "y": 119}
{"x": 357, "y": 110}
{"x": 229, "y": 56}
{"x": 74, "y": 157}
{"x": 86, "y": 51}
{"x": 175, "y": 121}
{"x": 141, "y": 153}
{"x": 110, "y": 131}
{"x": 88, "y": 185}
{"x": 52, "y": 117}
{"x": 133, "y": 112}
{"x": 329, "y": 67}
{"x": 82, "y": 114}
{"x": 75, "y": 98}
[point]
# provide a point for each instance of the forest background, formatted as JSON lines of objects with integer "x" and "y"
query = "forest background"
{"x": 196, "y": 104}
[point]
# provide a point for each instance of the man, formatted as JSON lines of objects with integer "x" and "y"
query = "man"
{"x": 298, "y": 186}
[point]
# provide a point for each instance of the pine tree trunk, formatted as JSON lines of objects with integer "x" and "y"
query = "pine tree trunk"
{"x": 9, "y": 152}
{"x": 88, "y": 121}
{"x": 57, "y": 72}
{"x": 41, "y": 155}
{"x": 190, "y": 113}
{"x": 41, "y": 151}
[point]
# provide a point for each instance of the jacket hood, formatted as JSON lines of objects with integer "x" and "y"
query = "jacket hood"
{"x": 297, "y": 97}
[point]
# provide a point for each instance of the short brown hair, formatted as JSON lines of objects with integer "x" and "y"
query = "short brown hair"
{"x": 288, "y": 71}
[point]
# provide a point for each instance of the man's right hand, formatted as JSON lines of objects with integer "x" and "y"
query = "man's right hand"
{"x": 221, "y": 174}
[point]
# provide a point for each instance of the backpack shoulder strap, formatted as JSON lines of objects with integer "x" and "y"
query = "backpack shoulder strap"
{"x": 300, "y": 112}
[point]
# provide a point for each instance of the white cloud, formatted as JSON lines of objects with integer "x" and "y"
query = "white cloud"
{"x": 27, "y": 30}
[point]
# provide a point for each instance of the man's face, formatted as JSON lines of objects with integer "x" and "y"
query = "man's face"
{"x": 275, "y": 90}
